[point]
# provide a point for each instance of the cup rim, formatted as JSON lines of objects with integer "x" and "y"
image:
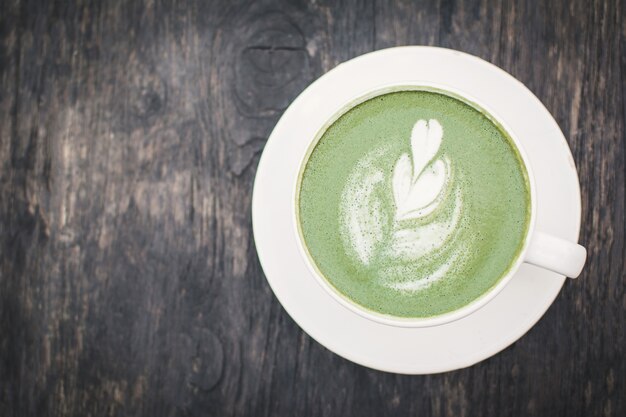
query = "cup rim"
{"x": 413, "y": 322}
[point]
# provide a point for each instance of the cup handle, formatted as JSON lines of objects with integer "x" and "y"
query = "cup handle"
{"x": 556, "y": 254}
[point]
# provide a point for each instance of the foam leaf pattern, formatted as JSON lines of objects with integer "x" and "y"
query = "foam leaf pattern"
{"x": 376, "y": 225}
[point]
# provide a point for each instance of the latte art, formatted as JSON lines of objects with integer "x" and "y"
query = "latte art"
{"x": 412, "y": 204}
{"x": 421, "y": 183}
{"x": 415, "y": 188}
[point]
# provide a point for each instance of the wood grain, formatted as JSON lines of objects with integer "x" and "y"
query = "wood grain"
{"x": 129, "y": 138}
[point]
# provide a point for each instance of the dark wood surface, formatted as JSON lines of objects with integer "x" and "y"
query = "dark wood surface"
{"x": 130, "y": 132}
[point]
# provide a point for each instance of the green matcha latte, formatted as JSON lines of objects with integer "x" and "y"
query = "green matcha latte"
{"x": 413, "y": 204}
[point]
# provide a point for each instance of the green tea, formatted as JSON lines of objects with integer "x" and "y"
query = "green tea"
{"x": 413, "y": 203}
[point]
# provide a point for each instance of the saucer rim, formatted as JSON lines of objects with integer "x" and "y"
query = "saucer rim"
{"x": 354, "y": 355}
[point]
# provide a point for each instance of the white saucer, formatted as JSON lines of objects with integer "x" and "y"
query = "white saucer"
{"x": 420, "y": 350}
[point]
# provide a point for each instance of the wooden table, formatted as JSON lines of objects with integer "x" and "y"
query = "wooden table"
{"x": 129, "y": 138}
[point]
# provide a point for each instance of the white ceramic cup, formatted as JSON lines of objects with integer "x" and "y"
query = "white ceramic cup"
{"x": 540, "y": 249}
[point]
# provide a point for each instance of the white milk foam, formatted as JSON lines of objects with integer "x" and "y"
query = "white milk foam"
{"x": 421, "y": 184}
